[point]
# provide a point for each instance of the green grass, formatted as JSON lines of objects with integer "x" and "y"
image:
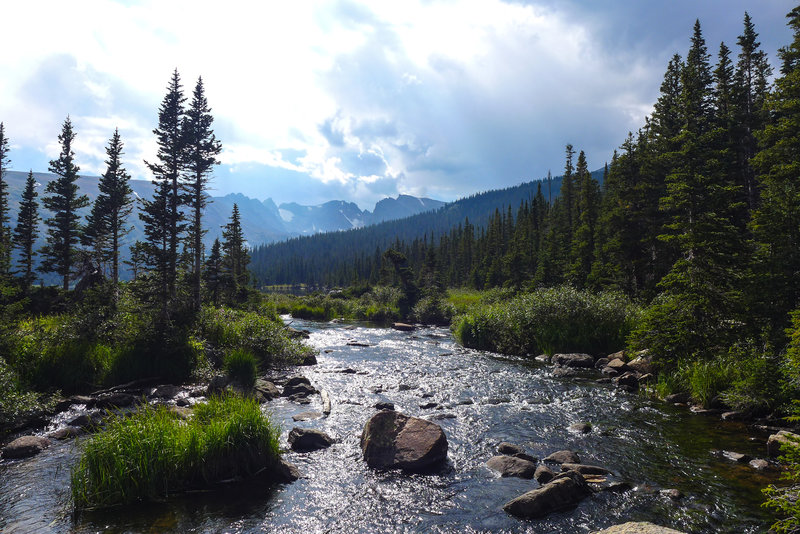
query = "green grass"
{"x": 241, "y": 366}
{"x": 560, "y": 319}
{"x": 153, "y": 454}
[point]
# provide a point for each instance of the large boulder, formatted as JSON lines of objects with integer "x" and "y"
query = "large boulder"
{"x": 392, "y": 440}
{"x": 574, "y": 360}
{"x": 25, "y": 446}
{"x": 306, "y": 440}
{"x": 561, "y": 493}
{"x": 511, "y": 466}
{"x": 776, "y": 441}
{"x": 642, "y": 364}
{"x": 543, "y": 474}
{"x": 638, "y": 528}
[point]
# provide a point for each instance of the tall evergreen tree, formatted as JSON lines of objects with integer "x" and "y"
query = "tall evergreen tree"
{"x": 751, "y": 86}
{"x": 202, "y": 149}
{"x": 776, "y": 222}
{"x": 27, "y": 230}
{"x": 583, "y": 242}
{"x": 5, "y": 229}
{"x": 162, "y": 215}
{"x": 235, "y": 255}
{"x": 107, "y": 223}
{"x": 63, "y": 201}
{"x": 213, "y": 272}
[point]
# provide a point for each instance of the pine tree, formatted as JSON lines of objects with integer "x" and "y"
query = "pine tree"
{"x": 63, "y": 201}
{"x": 751, "y": 86}
{"x": 27, "y": 230}
{"x": 703, "y": 201}
{"x": 163, "y": 216}
{"x": 583, "y": 242}
{"x": 107, "y": 223}
{"x": 212, "y": 274}
{"x": 776, "y": 222}
{"x": 235, "y": 256}
{"x": 202, "y": 149}
{"x": 5, "y": 230}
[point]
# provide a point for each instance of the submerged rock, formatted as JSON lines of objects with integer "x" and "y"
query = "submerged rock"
{"x": 384, "y": 405}
{"x": 509, "y": 448}
{"x": 638, "y": 528}
{"x": 306, "y": 439}
{"x": 25, "y": 447}
{"x": 511, "y": 466}
{"x": 392, "y": 440}
{"x": 580, "y": 428}
{"x": 307, "y": 416}
{"x": 562, "y": 457}
{"x": 561, "y": 493}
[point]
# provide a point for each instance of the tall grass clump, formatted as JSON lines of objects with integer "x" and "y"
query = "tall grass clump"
{"x": 153, "y": 454}
{"x": 241, "y": 366}
{"x": 560, "y": 319}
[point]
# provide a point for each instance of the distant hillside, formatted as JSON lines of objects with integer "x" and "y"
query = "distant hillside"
{"x": 294, "y": 261}
{"x": 262, "y": 221}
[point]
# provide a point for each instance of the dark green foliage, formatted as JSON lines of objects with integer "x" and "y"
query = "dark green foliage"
{"x": 241, "y": 367}
{"x": 560, "y": 319}
{"x": 783, "y": 499}
{"x": 27, "y": 230}
{"x": 776, "y": 223}
{"x": 63, "y": 201}
{"x": 202, "y": 149}
{"x": 213, "y": 274}
{"x": 153, "y": 454}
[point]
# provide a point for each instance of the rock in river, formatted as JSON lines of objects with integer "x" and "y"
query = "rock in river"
{"x": 392, "y": 440}
{"x": 776, "y": 441}
{"x": 561, "y": 493}
{"x": 574, "y": 360}
{"x": 305, "y": 440}
{"x": 562, "y": 457}
{"x": 25, "y": 446}
{"x": 510, "y": 466}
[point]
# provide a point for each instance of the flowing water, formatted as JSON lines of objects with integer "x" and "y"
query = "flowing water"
{"x": 481, "y": 400}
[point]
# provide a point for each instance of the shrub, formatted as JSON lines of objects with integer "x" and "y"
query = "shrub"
{"x": 433, "y": 310}
{"x": 707, "y": 379}
{"x": 785, "y": 500}
{"x": 152, "y": 454}
{"x": 265, "y": 337}
{"x": 241, "y": 366}
{"x": 560, "y": 319}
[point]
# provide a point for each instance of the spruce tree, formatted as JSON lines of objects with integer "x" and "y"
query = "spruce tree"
{"x": 776, "y": 222}
{"x": 27, "y": 230}
{"x": 5, "y": 230}
{"x": 235, "y": 256}
{"x": 202, "y": 149}
{"x": 63, "y": 201}
{"x": 107, "y": 223}
{"x": 164, "y": 220}
{"x": 751, "y": 86}
{"x": 583, "y": 242}
{"x": 213, "y": 273}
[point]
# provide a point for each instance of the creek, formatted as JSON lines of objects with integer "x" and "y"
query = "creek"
{"x": 479, "y": 399}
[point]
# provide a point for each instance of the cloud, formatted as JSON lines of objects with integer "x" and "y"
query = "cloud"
{"x": 350, "y": 99}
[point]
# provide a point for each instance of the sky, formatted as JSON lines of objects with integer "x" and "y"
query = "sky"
{"x": 322, "y": 100}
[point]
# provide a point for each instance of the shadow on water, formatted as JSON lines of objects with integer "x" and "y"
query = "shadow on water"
{"x": 479, "y": 399}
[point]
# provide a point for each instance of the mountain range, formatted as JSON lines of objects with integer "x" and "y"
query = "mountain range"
{"x": 262, "y": 220}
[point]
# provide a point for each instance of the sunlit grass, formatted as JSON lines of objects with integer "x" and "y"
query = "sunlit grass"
{"x": 153, "y": 453}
